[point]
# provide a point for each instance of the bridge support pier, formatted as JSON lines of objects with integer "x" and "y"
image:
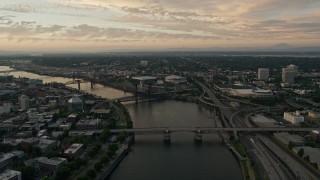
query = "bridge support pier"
{"x": 235, "y": 134}
{"x": 167, "y": 138}
{"x": 197, "y": 137}
{"x": 78, "y": 82}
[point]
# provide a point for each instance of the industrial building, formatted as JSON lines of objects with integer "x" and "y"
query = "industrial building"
{"x": 286, "y": 138}
{"x": 293, "y": 117}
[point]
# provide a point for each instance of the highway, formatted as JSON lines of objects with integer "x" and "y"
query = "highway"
{"x": 300, "y": 171}
{"x": 276, "y": 162}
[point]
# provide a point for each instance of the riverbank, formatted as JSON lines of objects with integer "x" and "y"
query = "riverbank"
{"x": 117, "y": 159}
{"x": 118, "y": 86}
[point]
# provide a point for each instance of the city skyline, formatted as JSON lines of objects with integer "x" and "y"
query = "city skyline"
{"x": 97, "y": 25}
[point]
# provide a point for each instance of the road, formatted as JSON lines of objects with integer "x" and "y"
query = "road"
{"x": 300, "y": 171}
{"x": 274, "y": 167}
{"x": 277, "y": 163}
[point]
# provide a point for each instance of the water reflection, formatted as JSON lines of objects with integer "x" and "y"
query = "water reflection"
{"x": 98, "y": 89}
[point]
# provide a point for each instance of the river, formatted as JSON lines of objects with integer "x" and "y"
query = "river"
{"x": 182, "y": 159}
{"x": 98, "y": 89}
{"x": 151, "y": 158}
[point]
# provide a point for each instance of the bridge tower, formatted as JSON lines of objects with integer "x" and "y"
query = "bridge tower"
{"x": 136, "y": 93}
{"x": 198, "y": 136}
{"x": 78, "y": 82}
{"x": 167, "y": 137}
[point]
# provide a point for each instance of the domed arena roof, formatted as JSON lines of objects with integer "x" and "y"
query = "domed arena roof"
{"x": 75, "y": 100}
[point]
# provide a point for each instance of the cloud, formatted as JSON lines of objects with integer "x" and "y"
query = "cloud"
{"x": 155, "y": 20}
{"x": 87, "y": 32}
{"x": 19, "y": 8}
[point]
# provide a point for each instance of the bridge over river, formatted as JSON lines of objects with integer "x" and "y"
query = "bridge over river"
{"x": 208, "y": 130}
{"x": 198, "y": 131}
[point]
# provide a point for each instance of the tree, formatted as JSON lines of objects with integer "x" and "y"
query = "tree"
{"x": 290, "y": 145}
{"x": 91, "y": 173}
{"x": 5, "y": 148}
{"x": 122, "y": 136}
{"x": 83, "y": 177}
{"x": 105, "y": 159}
{"x": 62, "y": 173}
{"x": 307, "y": 158}
{"x": 315, "y": 165}
{"x": 105, "y": 135}
{"x": 301, "y": 152}
{"x": 46, "y": 178}
{"x": 98, "y": 166}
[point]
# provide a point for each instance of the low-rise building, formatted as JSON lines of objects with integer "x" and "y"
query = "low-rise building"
{"x": 255, "y": 93}
{"x": 49, "y": 166}
{"x": 72, "y": 118}
{"x": 293, "y": 117}
{"x": 5, "y": 160}
{"x": 7, "y": 127}
{"x": 315, "y": 136}
{"x": 6, "y": 107}
{"x": 45, "y": 144}
{"x": 10, "y": 175}
{"x": 176, "y": 79}
{"x": 74, "y": 150}
{"x": 286, "y": 138}
{"x": 88, "y": 124}
{"x": 263, "y": 121}
{"x": 313, "y": 114}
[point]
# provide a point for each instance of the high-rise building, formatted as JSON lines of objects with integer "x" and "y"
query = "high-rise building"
{"x": 289, "y": 73}
{"x": 24, "y": 102}
{"x": 144, "y": 63}
{"x": 263, "y": 73}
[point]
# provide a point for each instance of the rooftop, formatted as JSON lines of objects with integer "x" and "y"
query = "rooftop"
{"x": 8, "y": 174}
{"x": 289, "y": 137}
{"x": 174, "y": 77}
{"x": 75, "y": 100}
{"x": 144, "y": 78}
{"x": 88, "y": 122}
{"x": 53, "y": 161}
{"x": 73, "y": 148}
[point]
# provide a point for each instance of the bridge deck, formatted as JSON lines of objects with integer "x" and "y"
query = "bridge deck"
{"x": 207, "y": 130}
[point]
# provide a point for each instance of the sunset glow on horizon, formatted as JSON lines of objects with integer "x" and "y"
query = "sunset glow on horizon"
{"x": 106, "y": 25}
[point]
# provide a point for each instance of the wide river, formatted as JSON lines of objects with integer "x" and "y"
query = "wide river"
{"x": 151, "y": 159}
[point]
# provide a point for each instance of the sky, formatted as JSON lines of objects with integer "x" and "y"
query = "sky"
{"x": 120, "y": 25}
